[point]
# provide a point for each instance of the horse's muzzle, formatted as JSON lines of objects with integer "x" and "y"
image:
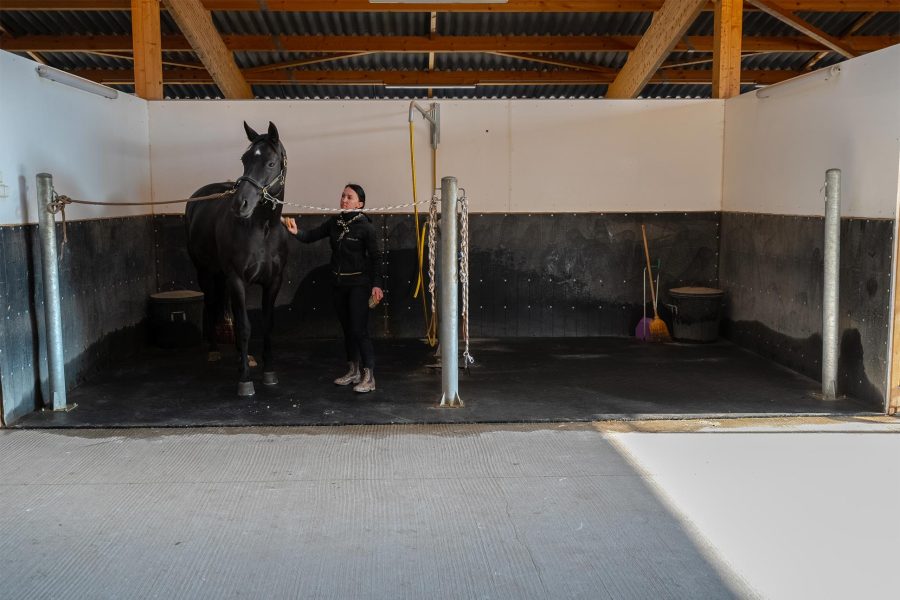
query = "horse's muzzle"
{"x": 243, "y": 204}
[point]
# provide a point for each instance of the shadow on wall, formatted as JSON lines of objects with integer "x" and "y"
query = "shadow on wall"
{"x": 805, "y": 356}
{"x": 852, "y": 377}
{"x": 32, "y": 241}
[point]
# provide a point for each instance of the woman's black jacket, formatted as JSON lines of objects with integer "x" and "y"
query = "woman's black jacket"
{"x": 355, "y": 257}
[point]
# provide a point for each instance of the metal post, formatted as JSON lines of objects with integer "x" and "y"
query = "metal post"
{"x": 830, "y": 300}
{"x": 449, "y": 282}
{"x": 50, "y": 272}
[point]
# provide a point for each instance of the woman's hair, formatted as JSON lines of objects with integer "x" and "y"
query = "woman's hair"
{"x": 359, "y": 192}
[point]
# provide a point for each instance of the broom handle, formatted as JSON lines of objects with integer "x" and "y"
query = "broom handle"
{"x": 649, "y": 269}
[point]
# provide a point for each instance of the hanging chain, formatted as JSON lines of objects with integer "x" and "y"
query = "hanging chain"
{"x": 468, "y": 359}
{"x": 432, "y": 245}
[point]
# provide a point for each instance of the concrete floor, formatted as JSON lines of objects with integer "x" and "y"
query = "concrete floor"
{"x": 708, "y": 509}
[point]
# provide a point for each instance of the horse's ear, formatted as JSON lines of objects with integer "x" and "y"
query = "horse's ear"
{"x": 273, "y": 132}
{"x": 251, "y": 135}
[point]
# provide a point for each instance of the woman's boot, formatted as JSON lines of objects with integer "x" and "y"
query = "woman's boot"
{"x": 367, "y": 384}
{"x": 352, "y": 376}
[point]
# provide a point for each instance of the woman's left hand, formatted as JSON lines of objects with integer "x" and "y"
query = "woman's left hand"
{"x": 377, "y": 294}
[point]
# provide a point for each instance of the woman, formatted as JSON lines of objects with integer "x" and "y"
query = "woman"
{"x": 356, "y": 264}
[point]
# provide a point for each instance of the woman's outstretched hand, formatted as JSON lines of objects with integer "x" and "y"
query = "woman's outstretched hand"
{"x": 290, "y": 223}
{"x": 377, "y": 294}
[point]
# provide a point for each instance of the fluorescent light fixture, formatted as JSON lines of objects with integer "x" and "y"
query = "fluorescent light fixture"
{"x": 76, "y": 82}
{"x": 429, "y": 87}
{"x": 794, "y": 84}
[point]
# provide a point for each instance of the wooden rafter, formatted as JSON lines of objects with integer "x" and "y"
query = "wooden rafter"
{"x": 196, "y": 24}
{"x": 510, "y": 6}
{"x": 727, "y": 52}
{"x": 302, "y": 63}
{"x": 703, "y": 61}
{"x": 432, "y": 29}
{"x": 147, "y": 50}
{"x": 856, "y": 26}
{"x": 422, "y": 44}
{"x": 436, "y": 78}
{"x": 668, "y": 25}
{"x": 557, "y": 63}
{"x": 788, "y": 17}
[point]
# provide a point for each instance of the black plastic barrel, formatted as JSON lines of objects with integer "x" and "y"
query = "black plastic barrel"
{"x": 176, "y": 318}
{"x": 696, "y": 312}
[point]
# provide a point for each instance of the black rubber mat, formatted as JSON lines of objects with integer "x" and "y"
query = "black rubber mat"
{"x": 514, "y": 380}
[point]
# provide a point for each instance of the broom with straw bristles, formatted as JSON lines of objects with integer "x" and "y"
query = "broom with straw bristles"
{"x": 658, "y": 330}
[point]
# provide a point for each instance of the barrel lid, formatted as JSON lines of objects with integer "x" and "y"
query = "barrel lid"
{"x": 176, "y": 296}
{"x": 696, "y": 291}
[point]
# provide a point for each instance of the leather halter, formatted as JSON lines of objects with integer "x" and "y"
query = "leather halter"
{"x": 264, "y": 189}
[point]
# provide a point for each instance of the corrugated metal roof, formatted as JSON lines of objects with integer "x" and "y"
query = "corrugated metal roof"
{"x": 543, "y": 23}
{"x": 320, "y": 23}
{"x": 755, "y": 23}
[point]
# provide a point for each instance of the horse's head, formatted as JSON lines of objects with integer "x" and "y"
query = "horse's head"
{"x": 265, "y": 169}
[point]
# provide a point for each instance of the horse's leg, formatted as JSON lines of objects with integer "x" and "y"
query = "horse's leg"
{"x": 270, "y": 292}
{"x": 210, "y": 310}
{"x": 241, "y": 332}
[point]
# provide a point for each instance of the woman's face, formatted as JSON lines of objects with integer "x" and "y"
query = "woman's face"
{"x": 349, "y": 200}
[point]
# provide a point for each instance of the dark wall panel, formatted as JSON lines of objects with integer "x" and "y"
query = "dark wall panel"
{"x": 543, "y": 275}
{"x": 772, "y": 271}
{"x": 106, "y": 273}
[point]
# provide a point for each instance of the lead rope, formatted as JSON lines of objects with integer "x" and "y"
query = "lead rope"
{"x": 468, "y": 359}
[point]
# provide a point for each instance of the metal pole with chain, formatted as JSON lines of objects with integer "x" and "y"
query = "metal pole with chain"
{"x": 449, "y": 318}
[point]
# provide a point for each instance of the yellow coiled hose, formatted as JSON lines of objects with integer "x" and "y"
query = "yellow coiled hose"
{"x": 430, "y": 324}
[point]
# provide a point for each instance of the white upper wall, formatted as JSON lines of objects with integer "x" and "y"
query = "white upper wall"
{"x": 510, "y": 156}
{"x": 778, "y": 148}
{"x": 96, "y": 149}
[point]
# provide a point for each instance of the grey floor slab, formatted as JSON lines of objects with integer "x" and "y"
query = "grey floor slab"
{"x": 448, "y": 511}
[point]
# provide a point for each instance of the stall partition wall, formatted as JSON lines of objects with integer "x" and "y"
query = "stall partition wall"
{"x": 778, "y": 145}
{"x": 96, "y": 149}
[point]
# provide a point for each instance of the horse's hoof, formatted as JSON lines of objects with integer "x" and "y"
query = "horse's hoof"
{"x": 245, "y": 388}
{"x": 270, "y": 378}
{"x": 251, "y": 361}
{"x": 214, "y": 357}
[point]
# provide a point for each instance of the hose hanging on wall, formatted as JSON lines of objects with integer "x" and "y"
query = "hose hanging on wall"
{"x": 430, "y": 115}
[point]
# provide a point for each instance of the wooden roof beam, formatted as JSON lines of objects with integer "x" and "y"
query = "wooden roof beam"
{"x": 727, "y": 23}
{"x": 667, "y": 27}
{"x": 147, "y": 50}
{"x": 423, "y": 44}
{"x": 196, "y": 24}
{"x": 511, "y": 6}
{"x": 435, "y": 78}
{"x": 788, "y": 17}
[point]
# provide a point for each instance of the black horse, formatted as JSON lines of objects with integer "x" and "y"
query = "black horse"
{"x": 238, "y": 240}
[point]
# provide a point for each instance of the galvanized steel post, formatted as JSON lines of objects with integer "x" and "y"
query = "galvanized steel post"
{"x": 449, "y": 282}
{"x": 830, "y": 299}
{"x": 50, "y": 273}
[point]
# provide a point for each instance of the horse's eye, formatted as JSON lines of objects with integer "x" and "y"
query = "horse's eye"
{"x": 271, "y": 165}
